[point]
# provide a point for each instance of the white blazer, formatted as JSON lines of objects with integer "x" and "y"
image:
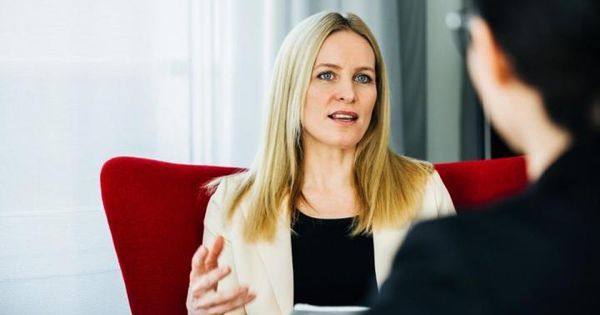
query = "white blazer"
{"x": 266, "y": 267}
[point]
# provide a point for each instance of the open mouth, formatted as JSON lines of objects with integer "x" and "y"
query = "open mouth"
{"x": 343, "y": 116}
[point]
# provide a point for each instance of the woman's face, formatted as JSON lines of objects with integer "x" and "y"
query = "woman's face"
{"x": 342, "y": 92}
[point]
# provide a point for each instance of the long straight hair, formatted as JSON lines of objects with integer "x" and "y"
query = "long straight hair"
{"x": 388, "y": 187}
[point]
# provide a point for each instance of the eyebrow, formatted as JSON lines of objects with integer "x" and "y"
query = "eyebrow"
{"x": 332, "y": 65}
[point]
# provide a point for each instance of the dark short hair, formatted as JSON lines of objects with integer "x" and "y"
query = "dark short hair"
{"x": 553, "y": 46}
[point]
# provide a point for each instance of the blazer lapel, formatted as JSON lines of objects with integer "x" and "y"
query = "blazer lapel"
{"x": 276, "y": 256}
{"x": 385, "y": 246}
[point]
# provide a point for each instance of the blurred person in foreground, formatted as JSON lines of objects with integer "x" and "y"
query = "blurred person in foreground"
{"x": 536, "y": 67}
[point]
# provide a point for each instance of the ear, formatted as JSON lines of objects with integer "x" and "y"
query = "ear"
{"x": 490, "y": 55}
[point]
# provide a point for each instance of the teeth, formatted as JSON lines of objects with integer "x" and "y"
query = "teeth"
{"x": 342, "y": 116}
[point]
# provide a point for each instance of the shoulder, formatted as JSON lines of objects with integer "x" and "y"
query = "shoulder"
{"x": 225, "y": 190}
{"x": 431, "y": 265}
{"x": 446, "y": 243}
{"x": 470, "y": 232}
{"x": 435, "y": 183}
{"x": 457, "y": 260}
{"x": 414, "y": 165}
{"x": 421, "y": 175}
{"x": 436, "y": 198}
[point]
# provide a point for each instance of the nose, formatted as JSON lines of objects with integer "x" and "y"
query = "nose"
{"x": 345, "y": 92}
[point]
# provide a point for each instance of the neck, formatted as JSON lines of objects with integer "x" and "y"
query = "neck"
{"x": 544, "y": 147}
{"x": 328, "y": 168}
{"x": 531, "y": 130}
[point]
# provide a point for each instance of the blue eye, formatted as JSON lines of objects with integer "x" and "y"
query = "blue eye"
{"x": 328, "y": 76}
{"x": 363, "y": 78}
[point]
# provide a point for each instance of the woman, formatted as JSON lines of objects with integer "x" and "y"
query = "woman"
{"x": 319, "y": 216}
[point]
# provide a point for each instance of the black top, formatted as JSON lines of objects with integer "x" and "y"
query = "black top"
{"x": 538, "y": 253}
{"x": 330, "y": 266}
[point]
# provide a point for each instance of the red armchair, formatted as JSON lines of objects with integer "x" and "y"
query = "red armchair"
{"x": 155, "y": 212}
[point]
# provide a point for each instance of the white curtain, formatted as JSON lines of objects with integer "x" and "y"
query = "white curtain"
{"x": 80, "y": 82}
{"x": 83, "y": 81}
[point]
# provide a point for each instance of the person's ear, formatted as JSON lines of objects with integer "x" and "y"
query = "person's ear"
{"x": 490, "y": 55}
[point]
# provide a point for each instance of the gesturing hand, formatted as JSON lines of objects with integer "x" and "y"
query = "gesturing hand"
{"x": 203, "y": 297}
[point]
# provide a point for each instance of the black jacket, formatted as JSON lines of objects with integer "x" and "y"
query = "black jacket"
{"x": 537, "y": 253}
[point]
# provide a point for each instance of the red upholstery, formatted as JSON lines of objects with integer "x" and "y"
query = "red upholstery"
{"x": 476, "y": 183}
{"x": 155, "y": 212}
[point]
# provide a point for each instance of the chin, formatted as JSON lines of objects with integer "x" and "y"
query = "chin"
{"x": 344, "y": 144}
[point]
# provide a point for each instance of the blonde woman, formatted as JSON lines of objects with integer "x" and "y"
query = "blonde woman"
{"x": 319, "y": 216}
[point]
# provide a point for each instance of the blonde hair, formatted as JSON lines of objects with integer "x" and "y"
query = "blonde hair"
{"x": 389, "y": 187}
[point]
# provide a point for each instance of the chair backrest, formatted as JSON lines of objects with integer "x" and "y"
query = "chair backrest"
{"x": 472, "y": 184}
{"x": 155, "y": 211}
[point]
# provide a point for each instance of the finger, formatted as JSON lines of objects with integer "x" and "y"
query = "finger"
{"x": 214, "y": 298}
{"x": 227, "y": 298}
{"x": 240, "y": 302}
{"x": 208, "y": 280}
{"x": 215, "y": 252}
{"x": 232, "y": 304}
{"x": 198, "y": 261}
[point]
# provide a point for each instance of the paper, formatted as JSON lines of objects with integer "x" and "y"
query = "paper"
{"x": 307, "y": 309}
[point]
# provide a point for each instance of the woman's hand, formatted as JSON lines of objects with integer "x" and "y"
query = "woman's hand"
{"x": 203, "y": 298}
